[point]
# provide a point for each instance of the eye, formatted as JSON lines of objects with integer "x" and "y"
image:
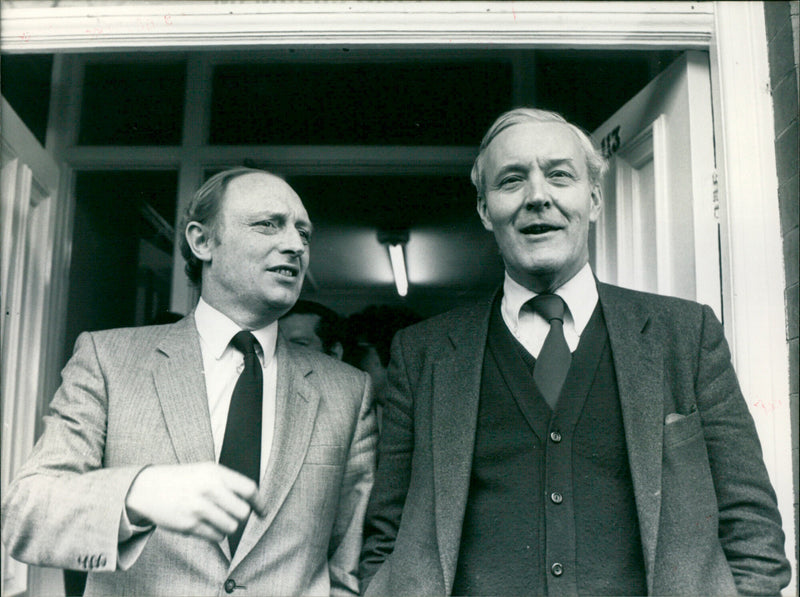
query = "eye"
{"x": 561, "y": 175}
{"x": 305, "y": 235}
{"x": 264, "y": 225}
{"x": 510, "y": 181}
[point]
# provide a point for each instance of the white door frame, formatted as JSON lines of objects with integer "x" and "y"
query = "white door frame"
{"x": 732, "y": 32}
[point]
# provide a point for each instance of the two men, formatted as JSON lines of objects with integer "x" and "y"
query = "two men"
{"x": 567, "y": 437}
{"x": 208, "y": 455}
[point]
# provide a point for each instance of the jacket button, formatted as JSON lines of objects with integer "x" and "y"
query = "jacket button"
{"x": 557, "y": 569}
{"x": 556, "y": 497}
{"x": 230, "y": 585}
{"x": 555, "y": 436}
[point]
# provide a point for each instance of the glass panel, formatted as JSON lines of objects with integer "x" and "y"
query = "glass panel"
{"x": 132, "y": 104}
{"x": 25, "y": 83}
{"x": 587, "y": 86}
{"x": 387, "y": 201}
{"x": 363, "y": 104}
{"x": 122, "y": 246}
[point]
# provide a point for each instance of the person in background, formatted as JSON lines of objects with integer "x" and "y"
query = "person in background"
{"x": 567, "y": 437}
{"x": 368, "y": 338}
{"x": 315, "y": 326}
{"x": 206, "y": 456}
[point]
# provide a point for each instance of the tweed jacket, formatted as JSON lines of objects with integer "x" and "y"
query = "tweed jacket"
{"x": 137, "y": 396}
{"x": 707, "y": 513}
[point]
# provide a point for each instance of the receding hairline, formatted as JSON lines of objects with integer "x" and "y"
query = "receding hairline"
{"x": 271, "y": 181}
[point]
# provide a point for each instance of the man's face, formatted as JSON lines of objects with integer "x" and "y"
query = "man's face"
{"x": 301, "y": 329}
{"x": 256, "y": 260}
{"x": 538, "y": 201}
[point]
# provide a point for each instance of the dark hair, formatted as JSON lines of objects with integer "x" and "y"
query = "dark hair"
{"x": 204, "y": 209}
{"x": 375, "y": 326}
{"x": 329, "y": 326}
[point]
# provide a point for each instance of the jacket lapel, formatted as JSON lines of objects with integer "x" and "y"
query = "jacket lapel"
{"x": 639, "y": 364}
{"x": 296, "y": 403}
{"x": 456, "y": 389}
{"x": 181, "y": 389}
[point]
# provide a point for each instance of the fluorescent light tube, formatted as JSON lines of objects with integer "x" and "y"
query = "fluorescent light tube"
{"x": 399, "y": 269}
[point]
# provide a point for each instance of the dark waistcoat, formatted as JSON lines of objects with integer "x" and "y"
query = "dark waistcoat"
{"x": 551, "y": 508}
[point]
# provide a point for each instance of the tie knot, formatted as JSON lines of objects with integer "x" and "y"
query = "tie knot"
{"x": 549, "y": 306}
{"x": 244, "y": 342}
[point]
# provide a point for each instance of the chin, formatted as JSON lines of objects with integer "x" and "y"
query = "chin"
{"x": 282, "y": 299}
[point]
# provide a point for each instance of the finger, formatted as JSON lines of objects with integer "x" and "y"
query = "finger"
{"x": 205, "y": 531}
{"x": 231, "y": 503}
{"x": 218, "y": 519}
{"x": 238, "y": 483}
{"x": 259, "y": 504}
{"x": 245, "y": 488}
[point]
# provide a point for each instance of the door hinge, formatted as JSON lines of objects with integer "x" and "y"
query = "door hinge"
{"x": 715, "y": 194}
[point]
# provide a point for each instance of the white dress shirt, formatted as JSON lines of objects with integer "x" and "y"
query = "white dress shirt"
{"x": 222, "y": 365}
{"x": 530, "y": 328}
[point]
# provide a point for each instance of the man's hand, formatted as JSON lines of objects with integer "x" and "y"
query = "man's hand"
{"x": 203, "y": 499}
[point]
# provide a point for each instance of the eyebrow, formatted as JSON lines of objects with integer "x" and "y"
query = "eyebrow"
{"x": 283, "y": 217}
{"x": 545, "y": 163}
{"x": 558, "y": 162}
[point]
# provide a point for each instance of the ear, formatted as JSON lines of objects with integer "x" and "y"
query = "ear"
{"x": 337, "y": 350}
{"x": 596, "y": 205}
{"x": 483, "y": 212}
{"x": 200, "y": 240}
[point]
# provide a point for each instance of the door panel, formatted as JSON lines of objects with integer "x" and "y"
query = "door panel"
{"x": 29, "y": 185}
{"x": 658, "y": 231}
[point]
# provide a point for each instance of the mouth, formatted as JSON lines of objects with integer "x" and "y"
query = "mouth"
{"x": 287, "y": 271}
{"x": 537, "y": 229}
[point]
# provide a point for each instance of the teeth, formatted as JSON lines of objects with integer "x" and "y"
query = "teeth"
{"x": 538, "y": 228}
{"x": 284, "y": 272}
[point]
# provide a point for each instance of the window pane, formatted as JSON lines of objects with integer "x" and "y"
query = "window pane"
{"x": 132, "y": 104}
{"x": 25, "y": 83}
{"x": 369, "y": 104}
{"x": 387, "y": 201}
{"x": 121, "y": 268}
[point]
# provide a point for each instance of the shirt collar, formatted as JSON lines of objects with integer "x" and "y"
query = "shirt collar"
{"x": 579, "y": 293}
{"x": 216, "y": 330}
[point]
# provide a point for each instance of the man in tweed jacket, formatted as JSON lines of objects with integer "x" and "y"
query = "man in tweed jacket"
{"x": 125, "y": 481}
{"x": 641, "y": 474}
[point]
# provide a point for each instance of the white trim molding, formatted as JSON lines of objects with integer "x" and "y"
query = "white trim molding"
{"x": 752, "y": 253}
{"x": 182, "y": 25}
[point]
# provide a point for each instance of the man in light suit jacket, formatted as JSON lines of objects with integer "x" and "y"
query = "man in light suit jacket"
{"x": 127, "y": 482}
{"x": 566, "y": 437}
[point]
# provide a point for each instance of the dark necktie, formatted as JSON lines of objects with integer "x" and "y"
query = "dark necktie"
{"x": 554, "y": 359}
{"x": 241, "y": 448}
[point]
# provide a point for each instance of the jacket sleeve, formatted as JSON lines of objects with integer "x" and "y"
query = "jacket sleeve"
{"x": 395, "y": 450}
{"x": 749, "y": 521}
{"x": 64, "y": 509}
{"x": 346, "y": 538}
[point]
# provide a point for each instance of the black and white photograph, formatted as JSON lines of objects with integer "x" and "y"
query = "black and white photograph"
{"x": 399, "y": 297}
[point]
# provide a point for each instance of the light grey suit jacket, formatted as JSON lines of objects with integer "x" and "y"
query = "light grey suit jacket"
{"x": 132, "y": 397}
{"x": 707, "y": 512}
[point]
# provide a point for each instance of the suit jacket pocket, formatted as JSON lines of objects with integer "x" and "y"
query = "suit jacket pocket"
{"x": 326, "y": 454}
{"x": 679, "y": 429}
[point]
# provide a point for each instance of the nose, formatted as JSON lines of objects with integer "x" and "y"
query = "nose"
{"x": 536, "y": 192}
{"x": 292, "y": 241}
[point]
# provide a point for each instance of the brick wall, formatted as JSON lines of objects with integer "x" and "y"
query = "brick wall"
{"x": 782, "y": 39}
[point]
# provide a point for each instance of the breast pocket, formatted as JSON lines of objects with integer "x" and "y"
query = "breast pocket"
{"x": 679, "y": 429}
{"x": 325, "y": 454}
